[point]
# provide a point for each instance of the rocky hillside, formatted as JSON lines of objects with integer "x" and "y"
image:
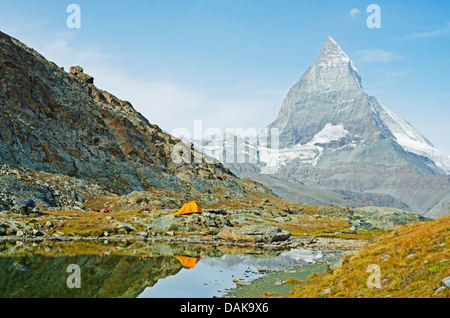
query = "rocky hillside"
{"x": 413, "y": 260}
{"x": 72, "y": 139}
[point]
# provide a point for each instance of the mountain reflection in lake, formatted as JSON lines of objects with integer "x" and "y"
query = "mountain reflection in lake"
{"x": 142, "y": 270}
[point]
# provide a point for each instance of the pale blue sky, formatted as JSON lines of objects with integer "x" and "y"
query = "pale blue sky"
{"x": 230, "y": 63}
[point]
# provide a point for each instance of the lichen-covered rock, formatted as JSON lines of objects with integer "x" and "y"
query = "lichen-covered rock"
{"x": 446, "y": 281}
{"x": 370, "y": 217}
{"x": 3, "y": 229}
{"x": 190, "y": 223}
{"x": 79, "y": 73}
{"x": 254, "y": 233}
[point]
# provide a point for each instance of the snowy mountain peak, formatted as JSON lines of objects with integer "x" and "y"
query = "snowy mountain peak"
{"x": 333, "y": 62}
{"x": 326, "y": 93}
{"x": 330, "y": 49}
{"x": 330, "y": 133}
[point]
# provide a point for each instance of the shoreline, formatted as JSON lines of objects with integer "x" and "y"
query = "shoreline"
{"x": 195, "y": 245}
{"x": 292, "y": 242}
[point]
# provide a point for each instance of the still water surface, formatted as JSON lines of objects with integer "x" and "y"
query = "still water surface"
{"x": 140, "y": 270}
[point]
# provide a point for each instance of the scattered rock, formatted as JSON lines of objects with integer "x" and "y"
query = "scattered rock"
{"x": 326, "y": 291}
{"x": 446, "y": 281}
{"x": 125, "y": 228}
{"x": 36, "y": 232}
{"x": 254, "y": 233}
{"x": 216, "y": 211}
{"x": 370, "y": 217}
{"x": 440, "y": 289}
{"x": 2, "y": 229}
{"x": 312, "y": 241}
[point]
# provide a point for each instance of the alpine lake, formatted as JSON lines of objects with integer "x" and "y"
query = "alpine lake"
{"x": 126, "y": 269}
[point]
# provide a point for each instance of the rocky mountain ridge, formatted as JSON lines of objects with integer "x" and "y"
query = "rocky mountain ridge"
{"x": 60, "y": 123}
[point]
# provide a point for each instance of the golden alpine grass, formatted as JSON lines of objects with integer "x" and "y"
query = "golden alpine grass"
{"x": 412, "y": 261}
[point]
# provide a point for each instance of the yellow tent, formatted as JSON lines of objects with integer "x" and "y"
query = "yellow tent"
{"x": 190, "y": 207}
{"x": 188, "y": 261}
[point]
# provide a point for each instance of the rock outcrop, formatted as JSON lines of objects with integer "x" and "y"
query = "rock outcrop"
{"x": 60, "y": 123}
{"x": 78, "y": 72}
{"x": 368, "y": 218}
{"x": 254, "y": 233}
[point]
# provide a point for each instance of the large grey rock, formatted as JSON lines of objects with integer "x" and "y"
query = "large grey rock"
{"x": 2, "y": 229}
{"x": 254, "y": 233}
{"x": 446, "y": 282}
{"x": 370, "y": 217}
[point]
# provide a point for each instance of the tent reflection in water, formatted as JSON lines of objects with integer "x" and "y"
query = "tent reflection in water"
{"x": 188, "y": 208}
{"x": 187, "y": 261}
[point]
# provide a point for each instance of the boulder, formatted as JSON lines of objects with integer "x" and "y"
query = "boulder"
{"x": 216, "y": 211}
{"x": 124, "y": 228}
{"x": 3, "y": 229}
{"x": 370, "y": 217}
{"x": 446, "y": 281}
{"x": 254, "y": 233}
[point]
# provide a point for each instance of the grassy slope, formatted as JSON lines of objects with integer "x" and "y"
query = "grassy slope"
{"x": 413, "y": 260}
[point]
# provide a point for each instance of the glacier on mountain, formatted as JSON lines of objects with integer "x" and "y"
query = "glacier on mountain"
{"x": 413, "y": 141}
{"x": 331, "y": 134}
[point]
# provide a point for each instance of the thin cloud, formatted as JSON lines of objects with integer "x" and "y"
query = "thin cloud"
{"x": 62, "y": 51}
{"x": 354, "y": 12}
{"x": 168, "y": 104}
{"x": 396, "y": 74}
{"x": 431, "y": 34}
{"x": 376, "y": 55}
{"x": 13, "y": 27}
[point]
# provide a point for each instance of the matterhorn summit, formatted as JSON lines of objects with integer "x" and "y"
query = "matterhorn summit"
{"x": 334, "y": 136}
{"x": 330, "y": 94}
{"x": 331, "y": 50}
